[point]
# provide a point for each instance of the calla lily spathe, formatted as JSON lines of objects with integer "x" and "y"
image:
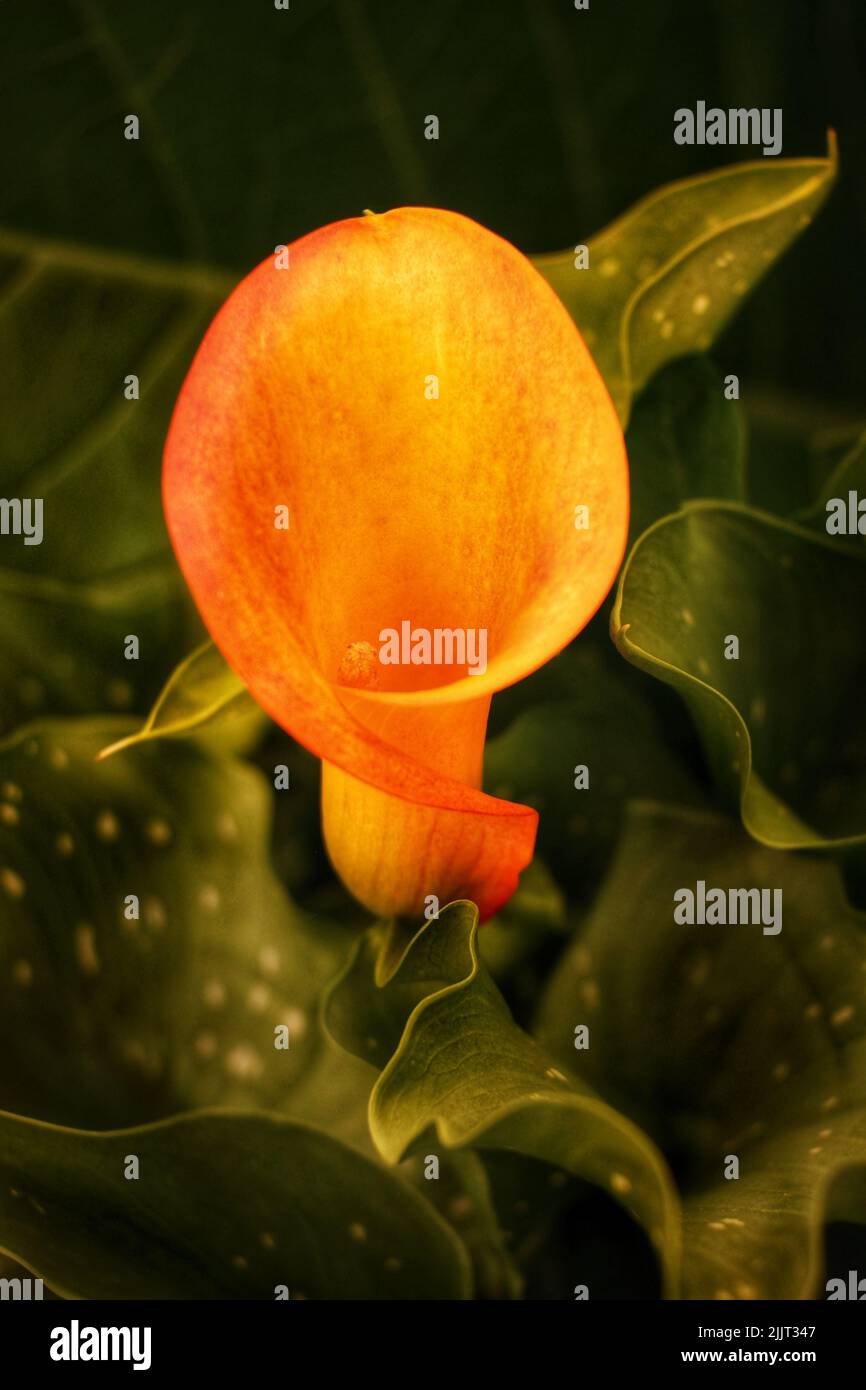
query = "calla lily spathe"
{"x": 414, "y": 393}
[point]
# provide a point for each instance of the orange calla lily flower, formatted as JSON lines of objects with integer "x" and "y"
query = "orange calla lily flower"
{"x": 377, "y": 459}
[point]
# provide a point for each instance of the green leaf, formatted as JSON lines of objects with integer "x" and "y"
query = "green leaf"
{"x": 685, "y": 441}
{"x": 202, "y": 690}
{"x": 103, "y": 570}
{"x": 109, "y": 1020}
{"x": 849, "y": 475}
{"x": 535, "y": 914}
{"x": 722, "y": 1040}
{"x": 795, "y": 446}
{"x": 461, "y": 1193}
{"x": 226, "y": 1205}
{"x": 665, "y": 278}
{"x": 459, "y": 1073}
{"x": 781, "y": 724}
{"x": 599, "y": 721}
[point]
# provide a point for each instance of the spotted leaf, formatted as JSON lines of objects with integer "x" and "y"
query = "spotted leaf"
{"x": 728, "y": 1041}
{"x": 148, "y": 953}
{"x": 666, "y": 277}
{"x": 713, "y": 572}
{"x": 224, "y": 1206}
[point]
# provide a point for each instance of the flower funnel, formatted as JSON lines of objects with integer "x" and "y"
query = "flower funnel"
{"x": 395, "y": 483}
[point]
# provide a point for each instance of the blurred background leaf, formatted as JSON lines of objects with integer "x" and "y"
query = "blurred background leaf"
{"x": 461, "y": 1192}
{"x": 848, "y": 475}
{"x": 685, "y": 440}
{"x": 601, "y": 722}
{"x": 720, "y": 1040}
{"x": 103, "y": 571}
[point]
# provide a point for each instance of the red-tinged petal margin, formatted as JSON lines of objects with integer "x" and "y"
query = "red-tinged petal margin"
{"x": 412, "y": 390}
